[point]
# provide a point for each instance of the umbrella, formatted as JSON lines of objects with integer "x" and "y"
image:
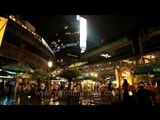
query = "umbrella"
{"x": 54, "y": 78}
{"x": 25, "y": 75}
{"x": 6, "y": 73}
{"x": 3, "y": 73}
{"x": 17, "y": 68}
{"x": 86, "y": 78}
{"x": 152, "y": 69}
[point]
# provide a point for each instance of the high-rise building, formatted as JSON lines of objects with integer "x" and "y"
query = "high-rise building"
{"x": 66, "y": 45}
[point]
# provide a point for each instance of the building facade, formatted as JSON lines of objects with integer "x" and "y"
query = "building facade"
{"x": 22, "y": 45}
{"x": 66, "y": 45}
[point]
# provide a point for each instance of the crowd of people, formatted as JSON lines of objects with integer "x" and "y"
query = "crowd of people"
{"x": 141, "y": 94}
{"x": 7, "y": 91}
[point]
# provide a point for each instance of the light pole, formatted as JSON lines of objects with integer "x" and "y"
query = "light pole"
{"x": 49, "y": 65}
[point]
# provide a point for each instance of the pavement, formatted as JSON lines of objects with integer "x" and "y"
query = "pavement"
{"x": 90, "y": 100}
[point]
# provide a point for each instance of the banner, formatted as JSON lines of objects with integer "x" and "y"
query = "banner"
{"x": 3, "y": 24}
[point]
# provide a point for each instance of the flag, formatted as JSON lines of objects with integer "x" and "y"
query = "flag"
{"x": 3, "y": 24}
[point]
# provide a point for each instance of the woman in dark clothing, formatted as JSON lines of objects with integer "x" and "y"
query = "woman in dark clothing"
{"x": 125, "y": 92}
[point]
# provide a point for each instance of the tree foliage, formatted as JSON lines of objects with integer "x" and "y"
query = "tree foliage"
{"x": 70, "y": 74}
{"x": 39, "y": 74}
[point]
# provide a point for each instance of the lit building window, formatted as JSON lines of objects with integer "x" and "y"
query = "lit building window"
{"x": 105, "y": 55}
{"x": 12, "y": 17}
{"x": 33, "y": 33}
{"x": 66, "y": 27}
{"x": 29, "y": 30}
{"x": 24, "y": 26}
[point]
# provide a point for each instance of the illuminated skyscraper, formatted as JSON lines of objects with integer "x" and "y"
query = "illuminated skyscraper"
{"x": 66, "y": 45}
{"x": 70, "y": 41}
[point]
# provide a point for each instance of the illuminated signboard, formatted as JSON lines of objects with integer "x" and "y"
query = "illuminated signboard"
{"x": 83, "y": 33}
{"x": 3, "y": 24}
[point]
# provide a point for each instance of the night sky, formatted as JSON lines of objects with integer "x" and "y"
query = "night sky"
{"x": 100, "y": 27}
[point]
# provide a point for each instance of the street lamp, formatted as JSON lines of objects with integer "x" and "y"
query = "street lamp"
{"x": 49, "y": 65}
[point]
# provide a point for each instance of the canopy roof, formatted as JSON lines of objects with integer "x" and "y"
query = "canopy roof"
{"x": 17, "y": 68}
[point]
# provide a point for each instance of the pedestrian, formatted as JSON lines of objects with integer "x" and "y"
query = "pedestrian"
{"x": 144, "y": 96}
{"x": 125, "y": 92}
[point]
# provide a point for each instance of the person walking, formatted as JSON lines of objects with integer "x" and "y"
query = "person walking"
{"x": 125, "y": 92}
{"x": 144, "y": 96}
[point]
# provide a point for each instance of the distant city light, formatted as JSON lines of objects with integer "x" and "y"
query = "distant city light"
{"x": 105, "y": 55}
{"x": 66, "y": 27}
{"x": 29, "y": 96}
{"x": 72, "y": 55}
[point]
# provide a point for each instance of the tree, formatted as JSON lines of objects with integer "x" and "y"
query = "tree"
{"x": 70, "y": 75}
{"x": 39, "y": 74}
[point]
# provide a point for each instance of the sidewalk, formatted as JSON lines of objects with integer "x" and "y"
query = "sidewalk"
{"x": 98, "y": 100}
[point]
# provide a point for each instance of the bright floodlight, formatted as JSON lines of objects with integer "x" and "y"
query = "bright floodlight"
{"x": 83, "y": 33}
{"x": 50, "y": 64}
